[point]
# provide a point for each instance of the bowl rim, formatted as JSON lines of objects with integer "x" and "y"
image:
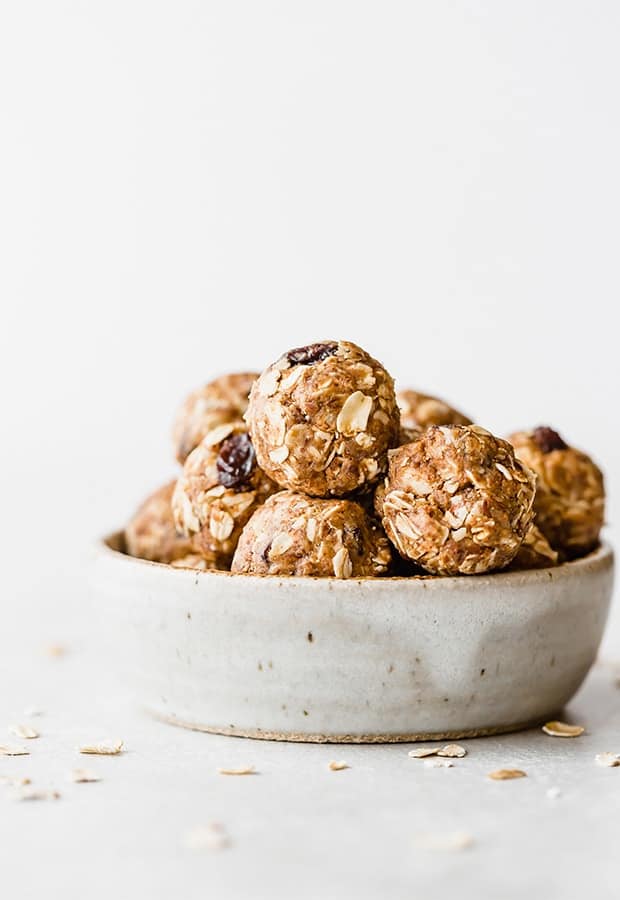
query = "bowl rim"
{"x": 598, "y": 559}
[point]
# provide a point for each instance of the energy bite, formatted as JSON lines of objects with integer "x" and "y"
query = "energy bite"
{"x": 535, "y": 552}
{"x": 457, "y": 500}
{"x": 570, "y": 492}
{"x": 152, "y": 534}
{"x": 297, "y": 535}
{"x": 419, "y": 411}
{"x": 322, "y": 419}
{"x": 220, "y": 487}
{"x": 219, "y": 402}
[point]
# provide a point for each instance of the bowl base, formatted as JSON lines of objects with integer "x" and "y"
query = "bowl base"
{"x": 310, "y": 738}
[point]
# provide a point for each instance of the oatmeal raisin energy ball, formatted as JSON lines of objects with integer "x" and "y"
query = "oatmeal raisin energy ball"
{"x": 219, "y": 489}
{"x": 151, "y": 533}
{"x": 293, "y": 534}
{"x": 322, "y": 419}
{"x": 535, "y": 552}
{"x": 570, "y": 493}
{"x": 219, "y": 402}
{"x": 457, "y": 501}
{"x": 419, "y": 411}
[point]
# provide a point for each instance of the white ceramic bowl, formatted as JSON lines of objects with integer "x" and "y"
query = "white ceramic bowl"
{"x": 394, "y": 659}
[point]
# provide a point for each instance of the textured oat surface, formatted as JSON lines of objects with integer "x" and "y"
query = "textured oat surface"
{"x": 418, "y": 411}
{"x": 218, "y": 490}
{"x": 322, "y": 418}
{"x": 570, "y": 495}
{"x": 225, "y": 399}
{"x": 535, "y": 552}
{"x": 381, "y": 828}
{"x": 297, "y": 535}
{"x": 457, "y": 501}
{"x": 151, "y": 533}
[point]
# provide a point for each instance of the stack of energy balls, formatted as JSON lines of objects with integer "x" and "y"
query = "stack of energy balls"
{"x": 317, "y": 467}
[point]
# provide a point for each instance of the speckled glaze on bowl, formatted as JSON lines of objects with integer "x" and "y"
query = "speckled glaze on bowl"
{"x": 370, "y": 660}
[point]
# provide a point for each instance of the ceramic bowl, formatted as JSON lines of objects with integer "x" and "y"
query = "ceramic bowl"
{"x": 369, "y": 660}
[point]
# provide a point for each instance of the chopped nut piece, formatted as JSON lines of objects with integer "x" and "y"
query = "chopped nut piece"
{"x": 561, "y": 729}
{"x": 24, "y": 731}
{"x": 453, "y": 750}
{"x": 338, "y": 765}
{"x": 507, "y": 774}
{"x": 208, "y": 837}
{"x": 455, "y": 840}
{"x": 6, "y": 750}
{"x": 30, "y": 793}
{"x": 242, "y": 770}
{"x": 105, "y": 748}
{"x": 608, "y": 759}
{"x": 84, "y": 776}
{"x": 421, "y": 752}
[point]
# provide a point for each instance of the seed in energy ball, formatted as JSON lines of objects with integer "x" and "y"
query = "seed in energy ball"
{"x": 457, "y": 501}
{"x": 219, "y": 402}
{"x": 535, "y": 552}
{"x": 419, "y": 411}
{"x": 322, "y": 419}
{"x": 570, "y": 492}
{"x": 152, "y": 534}
{"x": 293, "y": 534}
{"x": 219, "y": 489}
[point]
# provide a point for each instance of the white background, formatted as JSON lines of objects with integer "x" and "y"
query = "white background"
{"x": 188, "y": 188}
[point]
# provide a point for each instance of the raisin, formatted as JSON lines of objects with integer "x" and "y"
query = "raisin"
{"x": 305, "y": 356}
{"x": 547, "y": 439}
{"x": 355, "y": 534}
{"x": 236, "y": 461}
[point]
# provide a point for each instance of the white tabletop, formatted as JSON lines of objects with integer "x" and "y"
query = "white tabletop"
{"x": 295, "y": 829}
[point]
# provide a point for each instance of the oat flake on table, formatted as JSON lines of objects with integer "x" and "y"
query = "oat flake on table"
{"x": 7, "y": 750}
{"x": 607, "y": 759}
{"x": 84, "y": 776}
{"x": 562, "y": 729}
{"x": 24, "y": 731}
{"x": 452, "y": 750}
{"x": 451, "y": 840}
{"x": 242, "y": 770}
{"x": 208, "y": 837}
{"x": 104, "y": 748}
{"x": 338, "y": 765}
{"x": 422, "y": 752}
{"x": 30, "y": 793}
{"x": 507, "y": 774}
